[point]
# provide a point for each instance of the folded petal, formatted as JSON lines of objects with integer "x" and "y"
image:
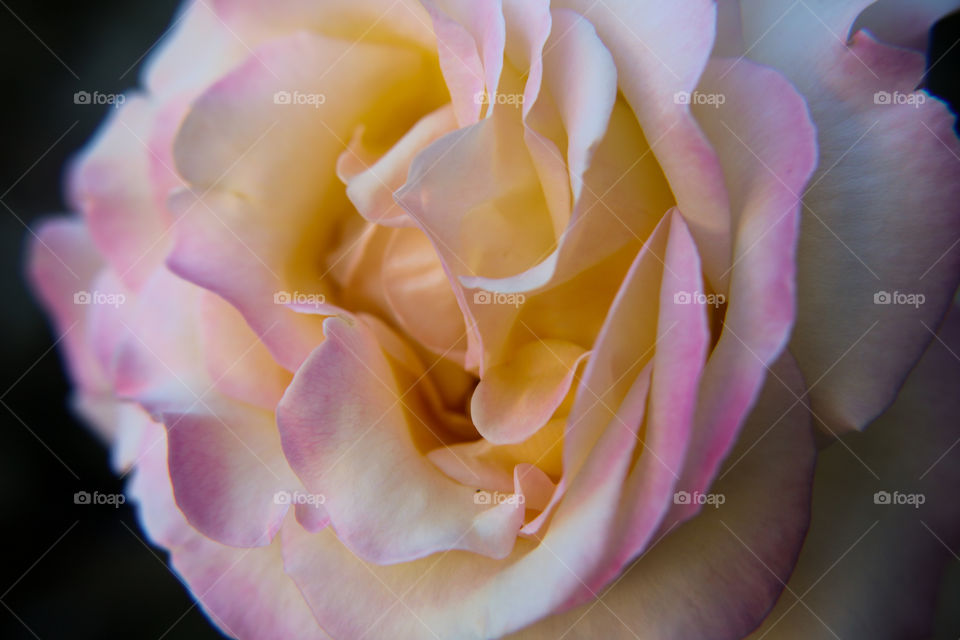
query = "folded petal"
{"x": 344, "y": 427}
{"x": 259, "y": 151}
{"x": 716, "y": 575}
{"x": 665, "y": 48}
{"x": 516, "y": 398}
{"x": 765, "y": 140}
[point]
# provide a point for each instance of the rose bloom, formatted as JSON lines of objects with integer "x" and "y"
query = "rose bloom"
{"x": 464, "y": 319}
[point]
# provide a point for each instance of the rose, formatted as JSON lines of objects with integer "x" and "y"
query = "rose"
{"x": 592, "y": 204}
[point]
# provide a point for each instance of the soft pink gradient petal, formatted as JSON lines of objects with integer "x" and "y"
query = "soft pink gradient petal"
{"x": 63, "y": 261}
{"x": 110, "y": 184}
{"x": 497, "y": 599}
{"x": 343, "y": 423}
{"x": 226, "y": 467}
{"x": 237, "y": 362}
{"x": 765, "y": 140}
{"x": 717, "y": 575}
{"x": 859, "y": 555}
{"x": 244, "y": 591}
{"x": 879, "y": 164}
{"x": 470, "y": 40}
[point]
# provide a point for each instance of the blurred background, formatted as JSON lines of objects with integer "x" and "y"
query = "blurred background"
{"x": 85, "y": 571}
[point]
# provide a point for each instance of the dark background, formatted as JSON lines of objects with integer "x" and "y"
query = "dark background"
{"x": 71, "y": 571}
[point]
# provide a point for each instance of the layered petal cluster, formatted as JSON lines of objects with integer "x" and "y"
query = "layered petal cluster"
{"x": 466, "y": 318}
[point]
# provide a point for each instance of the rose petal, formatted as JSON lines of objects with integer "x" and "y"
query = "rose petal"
{"x": 64, "y": 262}
{"x": 400, "y": 22}
{"x": 878, "y": 161}
{"x": 344, "y": 431}
{"x": 236, "y": 360}
{"x": 227, "y": 468}
{"x": 254, "y": 164}
{"x": 244, "y": 591}
{"x": 763, "y": 136}
{"x": 860, "y": 554}
{"x": 420, "y": 295}
{"x": 717, "y": 575}
{"x": 470, "y": 40}
{"x": 666, "y": 47}
{"x": 110, "y": 184}
{"x": 516, "y": 398}
{"x": 370, "y": 185}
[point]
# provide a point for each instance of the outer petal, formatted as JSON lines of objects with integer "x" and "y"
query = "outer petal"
{"x": 111, "y": 185}
{"x": 63, "y": 262}
{"x": 880, "y": 164}
{"x": 227, "y": 470}
{"x": 244, "y": 591}
{"x": 860, "y": 554}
